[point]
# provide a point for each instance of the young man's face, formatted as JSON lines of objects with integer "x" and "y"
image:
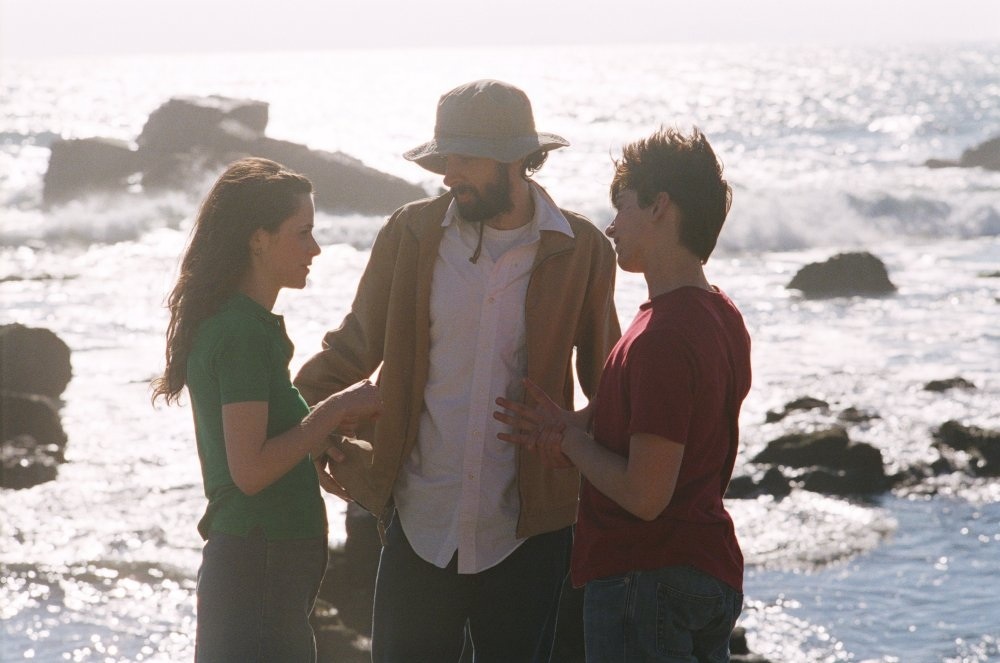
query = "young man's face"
{"x": 630, "y": 231}
{"x": 481, "y": 186}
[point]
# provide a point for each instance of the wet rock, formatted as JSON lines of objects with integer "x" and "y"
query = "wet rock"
{"x": 25, "y": 463}
{"x": 33, "y": 361}
{"x": 979, "y": 447}
{"x": 985, "y": 155}
{"x": 33, "y": 440}
{"x": 342, "y": 183}
{"x": 87, "y": 164}
{"x": 836, "y": 464}
{"x": 187, "y": 137}
{"x": 216, "y": 123}
{"x": 800, "y": 404}
{"x": 853, "y": 415}
{"x": 950, "y": 383}
{"x": 845, "y": 274}
{"x": 771, "y": 482}
{"x": 33, "y": 415}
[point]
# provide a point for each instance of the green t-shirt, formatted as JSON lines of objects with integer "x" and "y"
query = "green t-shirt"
{"x": 241, "y": 354}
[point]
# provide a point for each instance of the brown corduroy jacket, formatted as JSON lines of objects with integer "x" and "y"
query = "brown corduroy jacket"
{"x": 569, "y": 305}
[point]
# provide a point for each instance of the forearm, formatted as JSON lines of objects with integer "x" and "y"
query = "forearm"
{"x": 642, "y": 484}
{"x": 255, "y": 462}
{"x": 273, "y": 458}
{"x": 606, "y": 470}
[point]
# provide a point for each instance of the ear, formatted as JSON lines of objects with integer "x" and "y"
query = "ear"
{"x": 661, "y": 204}
{"x": 256, "y": 243}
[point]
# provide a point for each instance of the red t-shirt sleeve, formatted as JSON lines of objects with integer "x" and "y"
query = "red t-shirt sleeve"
{"x": 661, "y": 386}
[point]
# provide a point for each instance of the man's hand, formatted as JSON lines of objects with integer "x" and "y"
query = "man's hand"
{"x": 326, "y": 479}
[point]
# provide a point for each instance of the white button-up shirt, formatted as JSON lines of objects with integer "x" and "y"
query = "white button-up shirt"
{"x": 457, "y": 490}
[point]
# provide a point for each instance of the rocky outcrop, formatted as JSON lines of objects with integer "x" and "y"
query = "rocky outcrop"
{"x": 189, "y": 136}
{"x": 832, "y": 463}
{"x": 34, "y": 371}
{"x": 88, "y": 163}
{"x": 970, "y": 448}
{"x": 843, "y": 275}
{"x": 985, "y": 155}
{"x": 33, "y": 361}
{"x": 950, "y": 383}
{"x": 803, "y": 404}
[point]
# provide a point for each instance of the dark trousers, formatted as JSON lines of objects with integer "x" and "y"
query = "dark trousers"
{"x": 255, "y": 597}
{"x": 422, "y": 612}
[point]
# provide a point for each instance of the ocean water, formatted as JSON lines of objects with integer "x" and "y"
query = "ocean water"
{"x": 823, "y": 147}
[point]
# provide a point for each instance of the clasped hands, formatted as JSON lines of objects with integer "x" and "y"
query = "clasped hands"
{"x": 359, "y": 402}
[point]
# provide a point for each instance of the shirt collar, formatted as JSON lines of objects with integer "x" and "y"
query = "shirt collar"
{"x": 547, "y": 216}
{"x": 244, "y": 304}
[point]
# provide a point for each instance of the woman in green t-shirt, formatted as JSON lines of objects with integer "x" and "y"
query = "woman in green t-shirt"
{"x": 265, "y": 525}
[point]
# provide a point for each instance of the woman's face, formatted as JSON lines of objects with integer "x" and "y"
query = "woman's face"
{"x": 287, "y": 253}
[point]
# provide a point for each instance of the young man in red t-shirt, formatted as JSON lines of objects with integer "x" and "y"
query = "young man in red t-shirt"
{"x": 655, "y": 546}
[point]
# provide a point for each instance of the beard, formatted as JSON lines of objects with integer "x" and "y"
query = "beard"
{"x": 492, "y": 201}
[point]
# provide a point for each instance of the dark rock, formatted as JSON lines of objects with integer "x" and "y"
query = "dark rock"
{"x": 189, "y": 136}
{"x": 83, "y": 164}
{"x": 33, "y": 415}
{"x": 861, "y": 481}
{"x": 853, "y": 415}
{"x": 741, "y": 487}
{"x": 838, "y": 466}
{"x": 342, "y": 183}
{"x": 989, "y": 275}
{"x": 772, "y": 482}
{"x": 951, "y": 383}
{"x": 981, "y": 445}
{"x": 33, "y": 439}
{"x": 33, "y": 361}
{"x": 827, "y": 448}
{"x": 941, "y": 163}
{"x": 216, "y": 123}
{"x": 985, "y": 155}
{"x": 25, "y": 463}
{"x": 845, "y": 274}
{"x": 804, "y": 404}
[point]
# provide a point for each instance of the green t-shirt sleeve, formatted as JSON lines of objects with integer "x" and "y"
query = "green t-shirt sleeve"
{"x": 242, "y": 366}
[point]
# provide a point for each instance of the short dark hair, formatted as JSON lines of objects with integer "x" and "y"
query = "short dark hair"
{"x": 686, "y": 168}
{"x": 532, "y": 163}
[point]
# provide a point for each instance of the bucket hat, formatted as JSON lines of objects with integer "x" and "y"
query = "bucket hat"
{"x": 487, "y": 118}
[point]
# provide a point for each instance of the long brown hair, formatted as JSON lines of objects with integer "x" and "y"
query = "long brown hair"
{"x": 251, "y": 194}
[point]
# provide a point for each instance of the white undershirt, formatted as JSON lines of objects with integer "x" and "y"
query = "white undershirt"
{"x": 457, "y": 490}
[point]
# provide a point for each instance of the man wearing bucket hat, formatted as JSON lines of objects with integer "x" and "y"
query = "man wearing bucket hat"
{"x": 464, "y": 295}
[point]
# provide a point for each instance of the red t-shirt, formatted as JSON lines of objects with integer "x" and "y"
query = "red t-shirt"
{"x": 680, "y": 371}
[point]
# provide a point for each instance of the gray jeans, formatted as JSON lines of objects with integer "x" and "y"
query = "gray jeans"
{"x": 255, "y": 597}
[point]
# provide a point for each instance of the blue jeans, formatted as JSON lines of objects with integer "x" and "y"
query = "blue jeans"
{"x": 676, "y": 614}
{"x": 255, "y": 597}
{"x": 510, "y": 610}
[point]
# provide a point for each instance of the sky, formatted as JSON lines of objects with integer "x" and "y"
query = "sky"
{"x": 32, "y": 28}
